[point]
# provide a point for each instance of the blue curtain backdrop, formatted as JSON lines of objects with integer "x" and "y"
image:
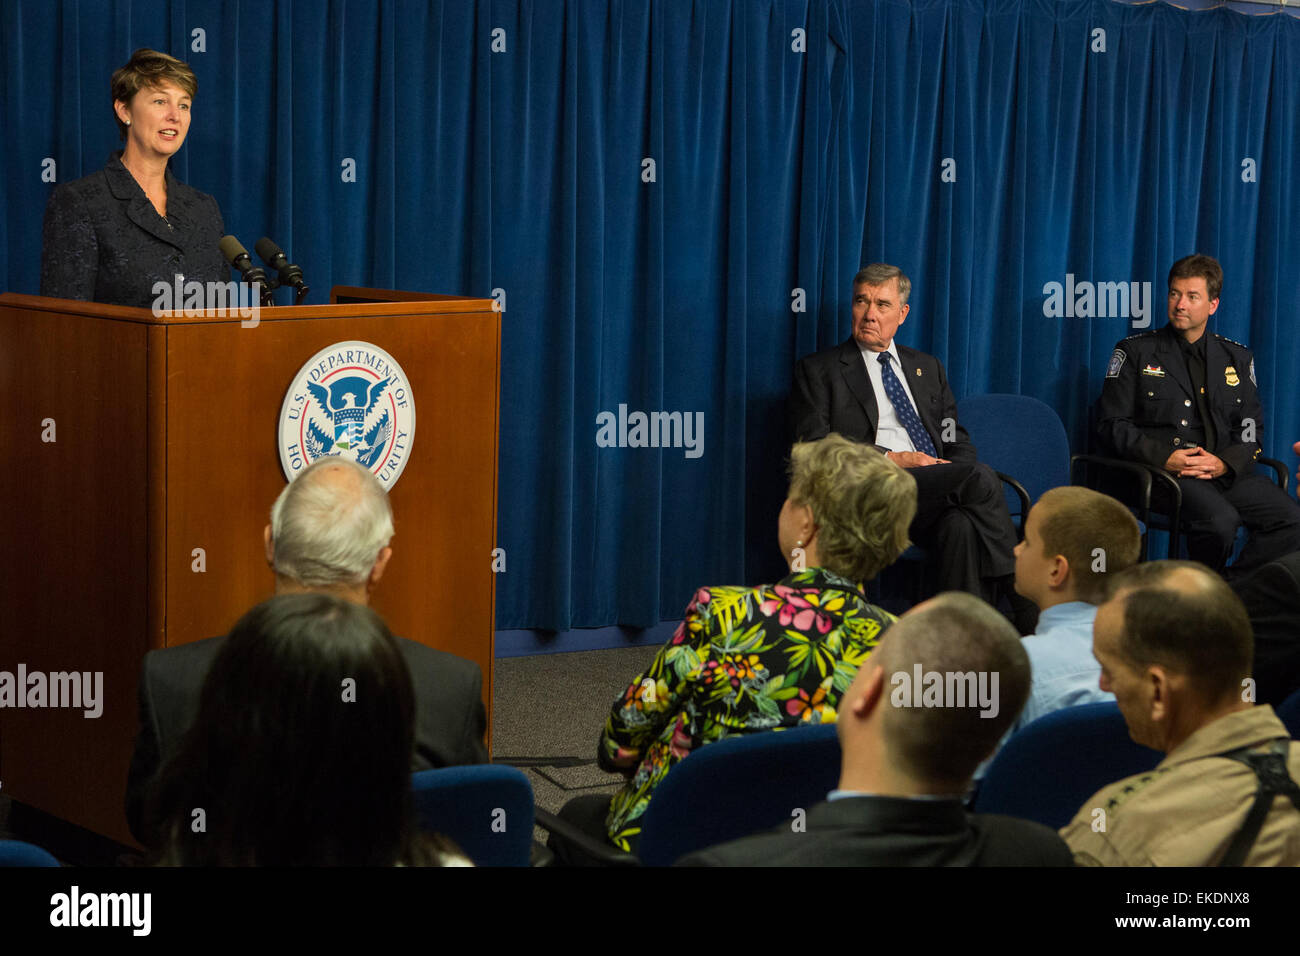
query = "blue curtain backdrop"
{"x": 988, "y": 147}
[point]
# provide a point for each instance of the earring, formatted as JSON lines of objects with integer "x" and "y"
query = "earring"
{"x": 799, "y": 543}
{"x": 128, "y": 122}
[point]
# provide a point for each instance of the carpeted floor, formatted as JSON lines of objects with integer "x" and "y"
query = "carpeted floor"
{"x": 548, "y": 711}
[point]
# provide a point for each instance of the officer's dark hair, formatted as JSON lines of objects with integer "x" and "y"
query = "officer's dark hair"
{"x": 1197, "y": 266}
{"x": 291, "y": 764}
{"x": 1184, "y": 617}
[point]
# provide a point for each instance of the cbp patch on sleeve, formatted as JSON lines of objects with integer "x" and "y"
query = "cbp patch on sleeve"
{"x": 1116, "y": 362}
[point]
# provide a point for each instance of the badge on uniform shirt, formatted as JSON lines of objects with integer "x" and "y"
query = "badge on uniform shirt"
{"x": 1154, "y": 370}
{"x": 1230, "y": 376}
{"x": 1116, "y": 363}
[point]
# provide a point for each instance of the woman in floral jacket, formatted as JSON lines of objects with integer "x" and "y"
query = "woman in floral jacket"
{"x": 747, "y": 659}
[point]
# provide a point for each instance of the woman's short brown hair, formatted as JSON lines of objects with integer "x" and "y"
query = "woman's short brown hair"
{"x": 862, "y": 503}
{"x": 147, "y": 69}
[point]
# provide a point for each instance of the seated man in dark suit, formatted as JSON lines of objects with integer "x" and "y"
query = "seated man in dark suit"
{"x": 1271, "y": 595}
{"x": 898, "y": 400}
{"x": 1272, "y": 598}
{"x": 944, "y": 684}
{"x": 329, "y": 533}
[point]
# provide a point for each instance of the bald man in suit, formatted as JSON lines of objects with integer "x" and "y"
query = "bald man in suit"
{"x": 905, "y": 767}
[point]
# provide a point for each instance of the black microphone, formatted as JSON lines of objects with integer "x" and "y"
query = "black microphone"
{"x": 238, "y": 257}
{"x": 289, "y": 273}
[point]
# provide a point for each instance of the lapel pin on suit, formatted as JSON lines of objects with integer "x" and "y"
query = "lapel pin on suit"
{"x": 918, "y": 373}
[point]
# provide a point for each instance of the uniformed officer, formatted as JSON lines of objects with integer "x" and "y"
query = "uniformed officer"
{"x": 1186, "y": 401}
{"x": 1214, "y": 798}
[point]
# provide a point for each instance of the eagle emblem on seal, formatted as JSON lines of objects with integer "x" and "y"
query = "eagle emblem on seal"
{"x": 344, "y": 417}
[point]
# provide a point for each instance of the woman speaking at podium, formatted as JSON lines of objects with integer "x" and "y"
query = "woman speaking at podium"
{"x": 110, "y": 236}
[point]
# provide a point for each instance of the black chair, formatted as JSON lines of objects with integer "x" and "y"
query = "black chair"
{"x": 1155, "y": 499}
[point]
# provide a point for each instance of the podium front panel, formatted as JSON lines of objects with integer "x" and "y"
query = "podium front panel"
{"x": 225, "y": 388}
{"x": 142, "y": 463}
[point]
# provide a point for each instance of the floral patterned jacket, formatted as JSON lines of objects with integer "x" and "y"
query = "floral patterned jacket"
{"x": 744, "y": 659}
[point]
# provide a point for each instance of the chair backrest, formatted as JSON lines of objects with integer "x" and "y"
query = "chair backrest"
{"x": 1047, "y": 770}
{"x": 737, "y": 787}
{"x": 18, "y": 853}
{"x": 1019, "y": 436}
{"x": 1289, "y": 713}
{"x": 486, "y": 808}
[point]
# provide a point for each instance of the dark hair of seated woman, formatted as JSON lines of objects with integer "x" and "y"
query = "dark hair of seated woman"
{"x": 300, "y": 753}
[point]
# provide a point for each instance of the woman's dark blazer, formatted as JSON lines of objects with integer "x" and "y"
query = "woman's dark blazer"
{"x": 104, "y": 240}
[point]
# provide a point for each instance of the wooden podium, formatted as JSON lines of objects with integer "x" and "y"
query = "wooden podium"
{"x": 140, "y": 524}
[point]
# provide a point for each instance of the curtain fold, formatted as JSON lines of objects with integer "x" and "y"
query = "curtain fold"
{"x": 673, "y": 197}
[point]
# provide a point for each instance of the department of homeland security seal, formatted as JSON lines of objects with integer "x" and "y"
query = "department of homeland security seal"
{"x": 351, "y": 399}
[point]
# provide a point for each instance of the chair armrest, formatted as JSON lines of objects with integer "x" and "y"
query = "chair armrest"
{"x": 1147, "y": 476}
{"x": 1283, "y": 474}
{"x": 1153, "y": 476}
{"x": 1175, "y": 493}
{"x": 540, "y": 855}
{"x": 608, "y": 855}
{"x": 1142, "y": 472}
{"x": 1022, "y": 494}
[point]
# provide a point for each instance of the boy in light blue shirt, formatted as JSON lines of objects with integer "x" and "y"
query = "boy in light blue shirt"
{"x": 1075, "y": 538}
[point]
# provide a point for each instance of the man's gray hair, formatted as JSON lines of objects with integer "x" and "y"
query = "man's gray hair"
{"x": 327, "y": 534}
{"x": 878, "y": 273}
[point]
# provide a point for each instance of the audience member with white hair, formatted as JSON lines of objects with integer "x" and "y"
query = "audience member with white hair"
{"x": 330, "y": 533}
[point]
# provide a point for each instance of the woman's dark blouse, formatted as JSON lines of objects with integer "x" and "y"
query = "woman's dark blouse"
{"x": 104, "y": 240}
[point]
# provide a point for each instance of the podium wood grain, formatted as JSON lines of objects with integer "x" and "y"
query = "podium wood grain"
{"x": 166, "y": 444}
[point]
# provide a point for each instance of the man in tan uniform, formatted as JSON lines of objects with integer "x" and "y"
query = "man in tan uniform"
{"x": 1175, "y": 647}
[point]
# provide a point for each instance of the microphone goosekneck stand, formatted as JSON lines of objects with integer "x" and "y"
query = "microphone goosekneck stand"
{"x": 286, "y": 271}
{"x": 235, "y": 254}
